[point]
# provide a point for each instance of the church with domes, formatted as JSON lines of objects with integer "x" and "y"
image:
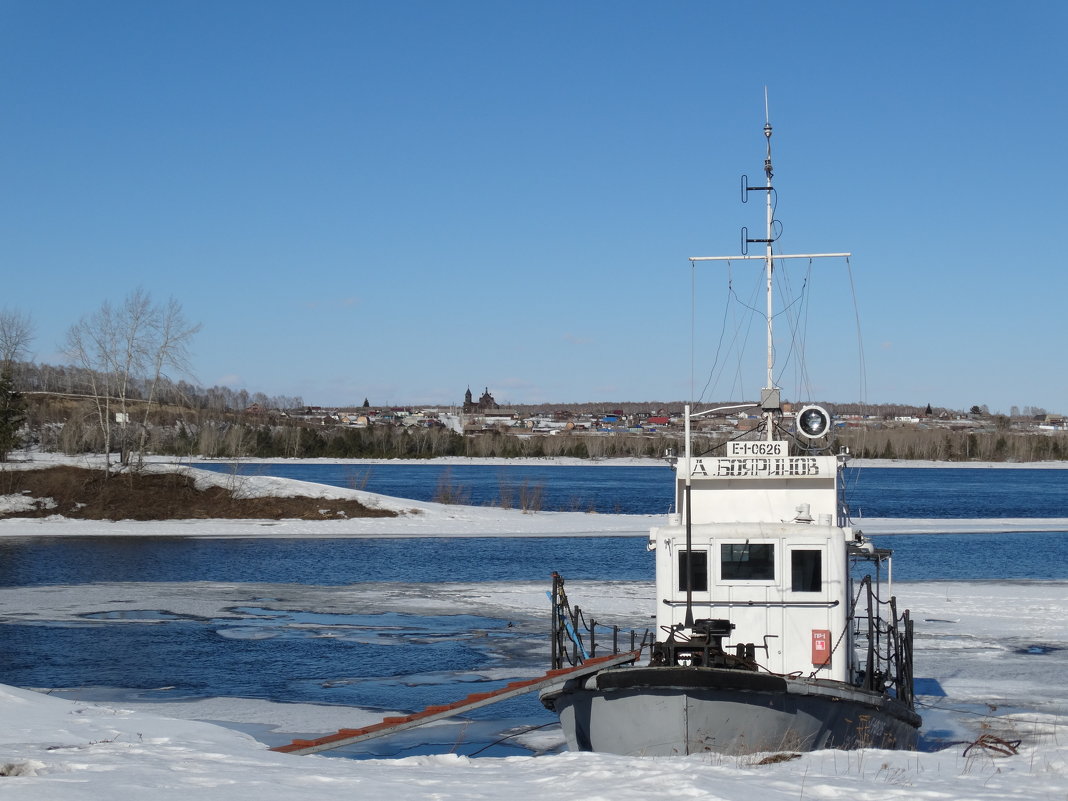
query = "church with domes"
{"x": 485, "y": 403}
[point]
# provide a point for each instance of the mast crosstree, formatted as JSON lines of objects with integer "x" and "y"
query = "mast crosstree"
{"x": 770, "y": 395}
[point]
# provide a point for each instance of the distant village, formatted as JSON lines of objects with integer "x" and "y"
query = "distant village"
{"x": 474, "y": 417}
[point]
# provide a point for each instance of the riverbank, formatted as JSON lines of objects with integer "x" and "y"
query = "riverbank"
{"x": 30, "y": 458}
{"x": 397, "y": 517}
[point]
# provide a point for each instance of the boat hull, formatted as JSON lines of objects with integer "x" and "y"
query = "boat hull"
{"x": 663, "y": 711}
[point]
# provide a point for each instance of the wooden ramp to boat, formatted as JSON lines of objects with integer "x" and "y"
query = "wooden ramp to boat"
{"x": 392, "y": 725}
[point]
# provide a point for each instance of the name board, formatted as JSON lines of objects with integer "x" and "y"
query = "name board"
{"x": 758, "y": 467}
{"x": 755, "y": 448}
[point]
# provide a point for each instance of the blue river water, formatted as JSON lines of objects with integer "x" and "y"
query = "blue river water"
{"x": 390, "y": 661}
{"x": 47, "y": 561}
{"x": 950, "y": 492}
{"x": 52, "y": 561}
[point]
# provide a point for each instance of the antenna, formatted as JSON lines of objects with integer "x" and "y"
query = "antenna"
{"x": 769, "y": 399}
{"x": 770, "y": 395}
{"x": 767, "y": 135}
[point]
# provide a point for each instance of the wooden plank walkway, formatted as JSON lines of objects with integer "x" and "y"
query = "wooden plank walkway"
{"x": 388, "y": 726}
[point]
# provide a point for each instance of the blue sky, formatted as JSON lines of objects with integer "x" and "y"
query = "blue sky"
{"x": 397, "y": 200}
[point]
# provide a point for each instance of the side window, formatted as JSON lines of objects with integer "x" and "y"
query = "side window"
{"x": 747, "y": 561}
{"x": 699, "y": 564}
{"x": 806, "y": 571}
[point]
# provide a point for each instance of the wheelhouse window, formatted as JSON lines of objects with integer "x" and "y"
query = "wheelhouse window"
{"x": 744, "y": 561}
{"x": 699, "y": 570}
{"x": 806, "y": 571}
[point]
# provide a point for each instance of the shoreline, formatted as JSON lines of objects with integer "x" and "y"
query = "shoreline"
{"x": 418, "y": 519}
{"x": 498, "y": 525}
{"x": 20, "y": 460}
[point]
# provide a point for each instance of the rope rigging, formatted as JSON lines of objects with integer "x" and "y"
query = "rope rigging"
{"x": 742, "y": 326}
{"x": 737, "y": 320}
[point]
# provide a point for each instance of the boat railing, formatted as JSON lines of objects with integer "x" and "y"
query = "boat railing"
{"x": 883, "y": 638}
{"x": 576, "y": 638}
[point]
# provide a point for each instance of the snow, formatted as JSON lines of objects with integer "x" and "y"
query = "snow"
{"x": 53, "y": 749}
{"x": 59, "y": 750}
{"x": 998, "y": 649}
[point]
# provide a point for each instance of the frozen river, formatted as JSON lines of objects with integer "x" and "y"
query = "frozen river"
{"x": 294, "y": 629}
{"x": 286, "y": 660}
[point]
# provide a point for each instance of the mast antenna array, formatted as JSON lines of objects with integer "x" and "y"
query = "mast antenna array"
{"x": 770, "y": 395}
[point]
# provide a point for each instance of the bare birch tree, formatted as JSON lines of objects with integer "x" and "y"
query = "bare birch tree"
{"x": 135, "y": 328}
{"x": 120, "y": 346}
{"x": 169, "y": 349}
{"x": 90, "y": 343}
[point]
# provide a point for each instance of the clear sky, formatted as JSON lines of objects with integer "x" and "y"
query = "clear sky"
{"x": 398, "y": 200}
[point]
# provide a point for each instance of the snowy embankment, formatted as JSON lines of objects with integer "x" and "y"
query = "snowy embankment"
{"x": 424, "y": 519}
{"x": 972, "y": 638}
{"x": 55, "y": 750}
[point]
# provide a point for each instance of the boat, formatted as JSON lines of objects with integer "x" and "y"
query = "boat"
{"x": 775, "y": 627}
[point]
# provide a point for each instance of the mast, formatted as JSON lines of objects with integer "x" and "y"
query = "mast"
{"x": 770, "y": 393}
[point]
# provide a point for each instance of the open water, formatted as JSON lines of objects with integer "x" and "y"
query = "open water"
{"x": 950, "y": 492}
{"x": 405, "y": 662}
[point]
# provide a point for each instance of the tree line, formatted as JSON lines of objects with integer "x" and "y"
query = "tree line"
{"x": 122, "y": 395}
{"x": 208, "y": 437}
{"x": 125, "y": 360}
{"x": 955, "y": 446}
{"x": 33, "y": 378}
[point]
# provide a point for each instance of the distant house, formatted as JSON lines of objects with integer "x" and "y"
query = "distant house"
{"x": 500, "y": 415}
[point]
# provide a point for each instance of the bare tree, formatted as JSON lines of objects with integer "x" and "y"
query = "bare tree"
{"x": 134, "y": 326}
{"x": 16, "y": 334}
{"x": 91, "y": 343}
{"x": 119, "y": 346}
{"x": 168, "y": 348}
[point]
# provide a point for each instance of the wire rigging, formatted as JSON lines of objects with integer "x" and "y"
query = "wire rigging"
{"x": 862, "y": 366}
{"x": 739, "y": 385}
{"x": 798, "y": 332}
{"x": 742, "y": 331}
{"x": 722, "y": 334}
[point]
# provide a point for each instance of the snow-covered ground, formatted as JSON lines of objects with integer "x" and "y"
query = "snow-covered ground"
{"x": 994, "y": 647}
{"x": 998, "y": 649}
{"x": 56, "y": 750}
